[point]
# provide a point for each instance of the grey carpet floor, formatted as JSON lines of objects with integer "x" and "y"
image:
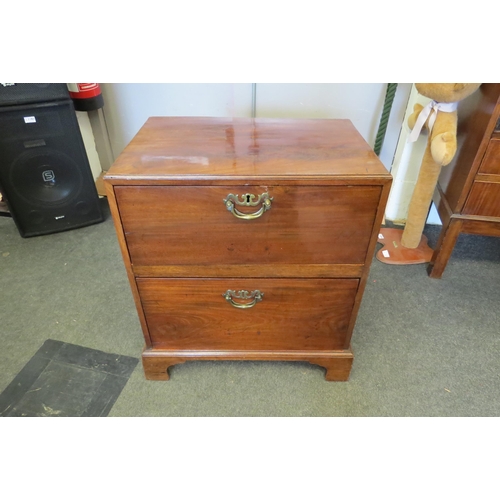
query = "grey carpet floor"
{"x": 422, "y": 347}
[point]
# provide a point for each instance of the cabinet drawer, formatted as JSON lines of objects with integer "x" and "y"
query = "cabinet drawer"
{"x": 491, "y": 160}
{"x": 180, "y": 225}
{"x": 483, "y": 200}
{"x": 294, "y": 314}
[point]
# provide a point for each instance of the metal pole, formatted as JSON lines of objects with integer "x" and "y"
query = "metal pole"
{"x": 254, "y": 100}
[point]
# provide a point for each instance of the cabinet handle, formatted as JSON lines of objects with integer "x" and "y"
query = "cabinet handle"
{"x": 256, "y": 295}
{"x": 248, "y": 201}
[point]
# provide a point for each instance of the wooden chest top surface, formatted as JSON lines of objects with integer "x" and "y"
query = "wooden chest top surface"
{"x": 192, "y": 149}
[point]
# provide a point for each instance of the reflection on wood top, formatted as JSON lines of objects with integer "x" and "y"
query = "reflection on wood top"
{"x": 205, "y": 148}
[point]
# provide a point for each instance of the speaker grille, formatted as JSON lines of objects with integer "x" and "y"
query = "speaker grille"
{"x": 26, "y": 93}
{"x": 46, "y": 177}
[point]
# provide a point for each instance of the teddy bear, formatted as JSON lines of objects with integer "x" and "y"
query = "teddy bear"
{"x": 439, "y": 118}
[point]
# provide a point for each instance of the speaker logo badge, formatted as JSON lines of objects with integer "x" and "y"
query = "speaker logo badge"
{"x": 49, "y": 176}
{"x": 7, "y": 84}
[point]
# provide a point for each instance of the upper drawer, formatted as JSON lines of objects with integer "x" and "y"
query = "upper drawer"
{"x": 491, "y": 160}
{"x": 181, "y": 225}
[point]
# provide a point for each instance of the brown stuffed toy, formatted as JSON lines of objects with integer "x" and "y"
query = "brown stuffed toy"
{"x": 440, "y": 119}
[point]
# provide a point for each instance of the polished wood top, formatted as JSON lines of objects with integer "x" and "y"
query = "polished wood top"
{"x": 261, "y": 148}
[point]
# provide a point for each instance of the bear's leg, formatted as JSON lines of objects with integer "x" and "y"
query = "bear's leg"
{"x": 421, "y": 200}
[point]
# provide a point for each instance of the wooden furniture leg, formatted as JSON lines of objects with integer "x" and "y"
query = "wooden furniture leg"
{"x": 444, "y": 248}
{"x": 337, "y": 364}
{"x": 156, "y": 368}
{"x": 337, "y": 370}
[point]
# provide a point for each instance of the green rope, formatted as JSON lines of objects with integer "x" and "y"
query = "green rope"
{"x": 389, "y": 98}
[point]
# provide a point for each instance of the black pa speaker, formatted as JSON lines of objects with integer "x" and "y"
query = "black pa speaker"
{"x": 45, "y": 175}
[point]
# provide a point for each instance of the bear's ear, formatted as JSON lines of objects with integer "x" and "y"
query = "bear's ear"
{"x": 459, "y": 86}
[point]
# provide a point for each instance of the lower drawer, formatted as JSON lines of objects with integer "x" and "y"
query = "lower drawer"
{"x": 483, "y": 200}
{"x": 248, "y": 314}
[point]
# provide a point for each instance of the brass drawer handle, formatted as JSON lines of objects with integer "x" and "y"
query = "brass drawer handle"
{"x": 256, "y": 295}
{"x": 248, "y": 201}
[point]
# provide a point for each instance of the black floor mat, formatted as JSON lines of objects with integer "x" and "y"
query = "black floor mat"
{"x": 67, "y": 380}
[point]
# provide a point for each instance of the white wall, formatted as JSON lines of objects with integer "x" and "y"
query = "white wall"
{"x": 128, "y": 105}
{"x": 89, "y": 143}
{"x": 362, "y": 103}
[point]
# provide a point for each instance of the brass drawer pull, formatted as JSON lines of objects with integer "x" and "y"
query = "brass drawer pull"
{"x": 248, "y": 201}
{"x": 256, "y": 295}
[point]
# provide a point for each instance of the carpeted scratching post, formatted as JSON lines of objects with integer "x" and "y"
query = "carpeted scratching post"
{"x": 440, "y": 119}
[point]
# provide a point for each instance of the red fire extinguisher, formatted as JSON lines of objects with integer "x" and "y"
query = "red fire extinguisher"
{"x": 86, "y": 96}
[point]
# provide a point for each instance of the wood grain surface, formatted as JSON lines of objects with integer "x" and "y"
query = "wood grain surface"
{"x": 191, "y": 225}
{"x": 484, "y": 199}
{"x": 491, "y": 160}
{"x": 185, "y": 147}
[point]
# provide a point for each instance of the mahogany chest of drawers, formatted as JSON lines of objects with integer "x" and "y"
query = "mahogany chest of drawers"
{"x": 468, "y": 192}
{"x": 247, "y": 239}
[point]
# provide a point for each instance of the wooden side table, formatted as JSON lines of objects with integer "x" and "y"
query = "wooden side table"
{"x": 468, "y": 192}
